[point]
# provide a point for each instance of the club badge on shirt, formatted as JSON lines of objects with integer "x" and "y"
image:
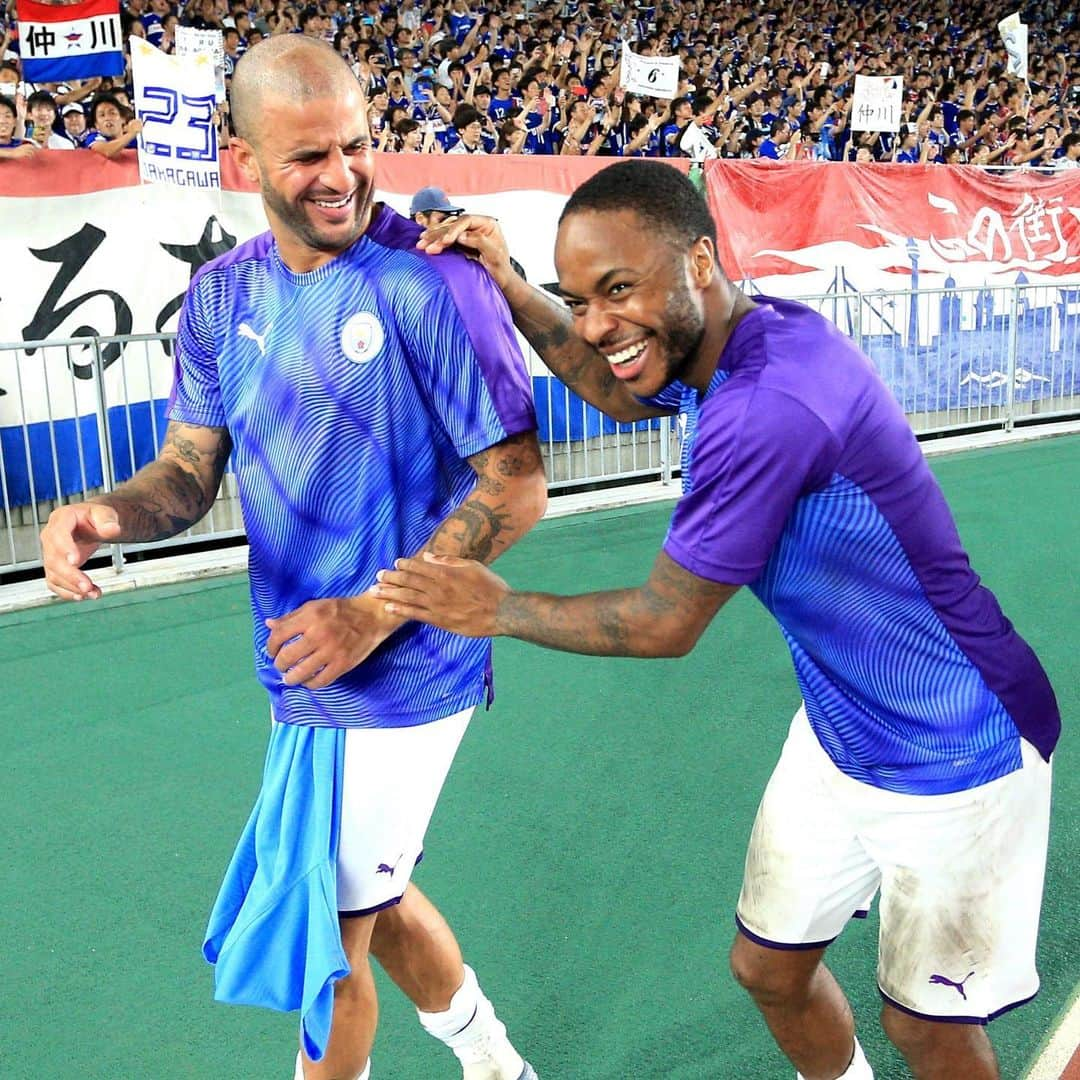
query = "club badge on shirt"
{"x": 362, "y": 337}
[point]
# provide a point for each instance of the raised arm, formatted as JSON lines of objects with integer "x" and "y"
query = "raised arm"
{"x": 545, "y": 322}
{"x": 166, "y": 497}
{"x": 112, "y": 148}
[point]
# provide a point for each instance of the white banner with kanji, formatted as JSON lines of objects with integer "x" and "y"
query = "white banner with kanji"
{"x": 877, "y": 104}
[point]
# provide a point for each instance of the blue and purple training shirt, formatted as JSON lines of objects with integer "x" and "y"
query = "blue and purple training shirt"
{"x": 353, "y": 395}
{"x": 803, "y": 480}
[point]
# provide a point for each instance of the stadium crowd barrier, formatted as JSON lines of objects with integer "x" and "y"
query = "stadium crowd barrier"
{"x": 956, "y": 359}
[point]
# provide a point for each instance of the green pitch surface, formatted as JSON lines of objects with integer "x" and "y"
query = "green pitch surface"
{"x": 587, "y": 848}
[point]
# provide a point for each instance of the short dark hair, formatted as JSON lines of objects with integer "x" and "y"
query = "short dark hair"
{"x": 464, "y": 115}
{"x": 661, "y": 195}
{"x": 41, "y": 97}
{"x": 103, "y": 99}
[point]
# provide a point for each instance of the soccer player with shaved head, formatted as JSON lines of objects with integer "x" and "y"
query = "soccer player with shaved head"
{"x": 918, "y": 764}
{"x": 374, "y": 403}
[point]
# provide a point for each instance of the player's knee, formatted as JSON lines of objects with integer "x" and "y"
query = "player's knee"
{"x": 908, "y": 1034}
{"x": 765, "y": 976}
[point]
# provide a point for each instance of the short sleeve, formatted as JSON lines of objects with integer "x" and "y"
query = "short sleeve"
{"x": 467, "y": 351}
{"x": 196, "y": 395}
{"x": 754, "y": 455}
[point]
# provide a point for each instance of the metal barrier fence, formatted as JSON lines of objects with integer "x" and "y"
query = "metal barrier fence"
{"x": 80, "y": 415}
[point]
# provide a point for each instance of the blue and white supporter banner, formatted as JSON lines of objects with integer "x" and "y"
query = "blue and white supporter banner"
{"x": 59, "y": 42}
{"x": 174, "y": 98}
{"x": 963, "y": 288}
{"x": 657, "y": 76}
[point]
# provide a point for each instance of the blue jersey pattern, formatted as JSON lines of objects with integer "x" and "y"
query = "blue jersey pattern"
{"x": 893, "y": 699}
{"x": 802, "y": 480}
{"x": 353, "y": 395}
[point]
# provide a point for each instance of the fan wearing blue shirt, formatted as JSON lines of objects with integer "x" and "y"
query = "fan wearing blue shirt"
{"x": 374, "y": 403}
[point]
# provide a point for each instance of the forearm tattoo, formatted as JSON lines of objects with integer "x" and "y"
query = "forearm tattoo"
{"x": 548, "y": 327}
{"x": 172, "y": 493}
{"x": 664, "y": 617}
{"x": 597, "y": 624}
{"x": 485, "y": 525}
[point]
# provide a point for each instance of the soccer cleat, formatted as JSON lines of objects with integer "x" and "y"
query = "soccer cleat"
{"x": 528, "y": 1073}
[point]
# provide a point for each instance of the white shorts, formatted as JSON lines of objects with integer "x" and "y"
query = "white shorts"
{"x": 392, "y": 778}
{"x": 961, "y": 878}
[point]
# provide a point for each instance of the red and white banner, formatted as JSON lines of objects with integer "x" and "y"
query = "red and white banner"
{"x": 808, "y": 228}
{"x": 88, "y": 251}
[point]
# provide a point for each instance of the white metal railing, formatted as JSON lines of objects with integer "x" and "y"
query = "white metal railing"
{"x": 79, "y": 415}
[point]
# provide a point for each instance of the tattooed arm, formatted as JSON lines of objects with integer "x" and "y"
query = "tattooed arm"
{"x": 663, "y": 617}
{"x": 322, "y": 639}
{"x": 172, "y": 493}
{"x": 545, "y": 322}
{"x": 509, "y": 498}
{"x": 166, "y": 497}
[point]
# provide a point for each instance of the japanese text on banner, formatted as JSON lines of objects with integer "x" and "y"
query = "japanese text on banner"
{"x": 70, "y": 41}
{"x": 878, "y": 103}
{"x": 657, "y": 76}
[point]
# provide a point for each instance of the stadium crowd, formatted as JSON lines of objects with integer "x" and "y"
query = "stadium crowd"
{"x": 764, "y": 80}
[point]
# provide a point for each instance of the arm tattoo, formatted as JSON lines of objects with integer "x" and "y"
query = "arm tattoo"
{"x": 472, "y": 531}
{"x": 172, "y": 493}
{"x": 661, "y": 618}
{"x": 182, "y": 447}
{"x": 494, "y": 516}
{"x": 548, "y": 327}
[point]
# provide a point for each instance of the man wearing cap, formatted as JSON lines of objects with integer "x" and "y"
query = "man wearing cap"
{"x": 430, "y": 207}
{"x": 74, "y": 122}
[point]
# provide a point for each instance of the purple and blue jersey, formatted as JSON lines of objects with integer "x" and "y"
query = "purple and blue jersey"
{"x": 803, "y": 480}
{"x": 353, "y": 395}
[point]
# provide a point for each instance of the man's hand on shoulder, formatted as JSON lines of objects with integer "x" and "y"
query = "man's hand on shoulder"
{"x": 479, "y": 237}
{"x": 323, "y": 639}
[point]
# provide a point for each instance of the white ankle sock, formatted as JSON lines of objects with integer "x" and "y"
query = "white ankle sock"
{"x": 476, "y": 1035}
{"x": 859, "y": 1069}
{"x": 299, "y": 1073}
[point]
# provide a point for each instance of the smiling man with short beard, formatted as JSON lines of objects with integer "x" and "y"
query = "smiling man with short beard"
{"x": 374, "y": 402}
{"x": 920, "y": 754}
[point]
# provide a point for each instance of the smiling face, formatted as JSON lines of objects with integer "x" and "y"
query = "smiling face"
{"x": 633, "y": 295}
{"x": 312, "y": 160}
{"x": 7, "y": 122}
{"x": 75, "y": 122}
{"x": 43, "y": 114}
